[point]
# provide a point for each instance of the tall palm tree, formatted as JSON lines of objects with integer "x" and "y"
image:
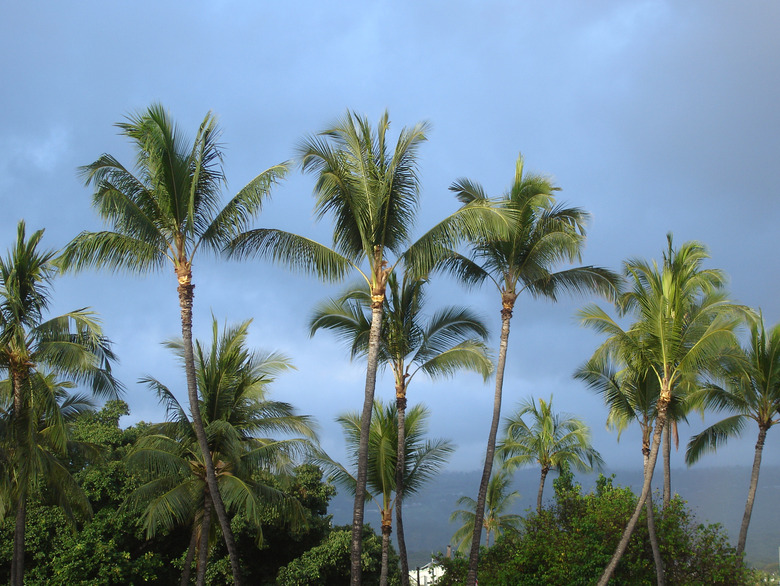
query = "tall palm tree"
{"x": 542, "y": 235}
{"x": 238, "y": 416}
{"x": 423, "y": 458}
{"x": 496, "y": 520}
{"x": 684, "y": 321}
{"x": 450, "y": 340}
{"x": 750, "y": 389}
{"x": 165, "y": 212}
{"x": 371, "y": 189}
{"x": 550, "y": 440}
{"x": 71, "y": 345}
{"x": 630, "y": 392}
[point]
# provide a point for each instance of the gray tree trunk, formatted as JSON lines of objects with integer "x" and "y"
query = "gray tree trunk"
{"x": 400, "y": 466}
{"x": 762, "y": 429}
{"x": 479, "y": 511}
{"x": 186, "y": 294}
{"x": 203, "y": 547}
{"x": 653, "y": 535}
{"x": 667, "y": 464}
{"x": 365, "y": 425}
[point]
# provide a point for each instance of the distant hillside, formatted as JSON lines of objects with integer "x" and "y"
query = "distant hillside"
{"x": 716, "y": 495}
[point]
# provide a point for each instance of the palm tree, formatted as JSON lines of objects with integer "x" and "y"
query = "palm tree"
{"x": 238, "y": 415}
{"x": 423, "y": 459}
{"x": 630, "y": 392}
{"x": 450, "y": 340}
{"x": 372, "y": 191}
{"x": 550, "y": 440}
{"x": 750, "y": 390}
{"x": 166, "y": 212}
{"x": 683, "y": 323}
{"x": 542, "y": 234}
{"x": 495, "y": 520}
{"x": 71, "y": 345}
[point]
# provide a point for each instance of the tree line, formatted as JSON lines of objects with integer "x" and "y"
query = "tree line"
{"x": 680, "y": 353}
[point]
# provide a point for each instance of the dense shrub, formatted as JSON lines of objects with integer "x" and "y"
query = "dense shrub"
{"x": 571, "y": 543}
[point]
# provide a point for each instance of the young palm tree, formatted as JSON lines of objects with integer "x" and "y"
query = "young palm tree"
{"x": 542, "y": 235}
{"x": 166, "y": 211}
{"x": 750, "y": 390}
{"x": 496, "y": 520}
{"x": 371, "y": 189}
{"x": 684, "y": 322}
{"x": 71, "y": 345}
{"x": 423, "y": 458}
{"x": 450, "y": 340}
{"x": 550, "y": 440}
{"x": 238, "y": 416}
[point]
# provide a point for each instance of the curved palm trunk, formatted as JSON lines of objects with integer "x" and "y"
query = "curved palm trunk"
{"x": 400, "y": 466}
{"x": 203, "y": 548}
{"x": 762, "y": 429}
{"x": 545, "y": 470}
{"x": 663, "y": 404}
{"x": 659, "y": 564}
{"x": 185, "y": 574}
{"x": 186, "y": 295}
{"x": 508, "y": 302}
{"x": 365, "y": 425}
{"x": 387, "y": 529}
{"x": 667, "y": 464}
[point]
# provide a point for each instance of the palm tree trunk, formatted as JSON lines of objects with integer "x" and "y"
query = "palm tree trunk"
{"x": 365, "y": 425}
{"x": 762, "y": 429}
{"x": 17, "y": 561}
{"x": 203, "y": 548}
{"x": 400, "y": 466}
{"x": 663, "y": 404}
{"x": 659, "y": 564}
{"x": 185, "y": 574}
{"x": 387, "y": 529}
{"x": 545, "y": 470}
{"x": 186, "y": 294}
{"x": 667, "y": 464}
{"x": 508, "y": 301}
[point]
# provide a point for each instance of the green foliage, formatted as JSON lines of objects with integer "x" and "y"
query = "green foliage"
{"x": 571, "y": 542}
{"x": 328, "y": 563}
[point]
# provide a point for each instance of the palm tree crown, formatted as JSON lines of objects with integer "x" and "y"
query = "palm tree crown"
{"x": 550, "y": 440}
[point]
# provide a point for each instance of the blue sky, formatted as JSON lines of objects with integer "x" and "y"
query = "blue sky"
{"x": 654, "y": 116}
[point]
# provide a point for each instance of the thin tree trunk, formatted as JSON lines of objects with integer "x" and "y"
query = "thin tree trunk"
{"x": 508, "y": 301}
{"x": 186, "y": 294}
{"x": 400, "y": 467}
{"x": 365, "y": 425}
{"x": 387, "y": 529}
{"x": 19, "y": 427}
{"x": 185, "y": 574}
{"x": 17, "y": 562}
{"x": 203, "y": 547}
{"x": 667, "y": 464}
{"x": 545, "y": 470}
{"x": 653, "y": 535}
{"x": 762, "y": 429}
{"x": 663, "y": 404}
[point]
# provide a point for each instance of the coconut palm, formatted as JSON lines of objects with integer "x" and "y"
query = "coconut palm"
{"x": 542, "y": 235}
{"x": 496, "y": 520}
{"x": 450, "y": 340}
{"x": 71, "y": 345}
{"x": 371, "y": 189}
{"x": 238, "y": 416}
{"x": 750, "y": 389}
{"x": 423, "y": 458}
{"x": 630, "y": 392}
{"x": 550, "y": 440}
{"x": 166, "y": 211}
{"x": 684, "y": 321}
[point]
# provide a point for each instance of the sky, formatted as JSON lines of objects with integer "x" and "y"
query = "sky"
{"x": 654, "y": 116}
